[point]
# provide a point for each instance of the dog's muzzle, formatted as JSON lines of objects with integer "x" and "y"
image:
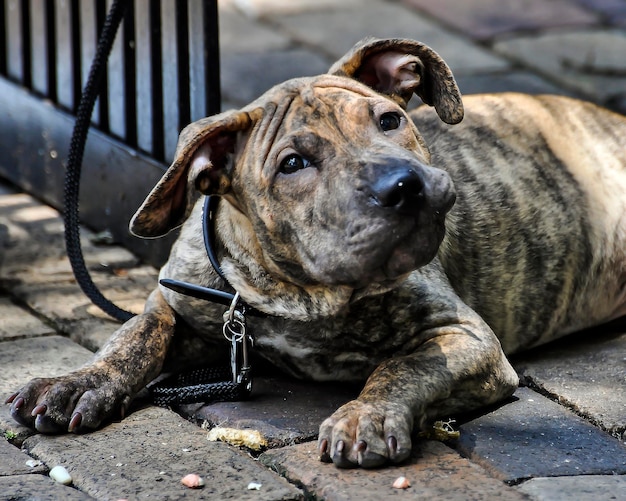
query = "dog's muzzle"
{"x": 409, "y": 189}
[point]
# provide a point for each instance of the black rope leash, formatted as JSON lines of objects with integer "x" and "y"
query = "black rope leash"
{"x": 198, "y": 385}
{"x": 75, "y": 159}
{"x": 210, "y": 384}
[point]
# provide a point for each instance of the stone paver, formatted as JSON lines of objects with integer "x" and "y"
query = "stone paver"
{"x": 591, "y": 61}
{"x": 258, "y": 38}
{"x": 484, "y": 19}
{"x": 535, "y": 437}
{"x": 48, "y": 356}
{"x": 272, "y": 8}
{"x": 37, "y": 487}
{"x": 435, "y": 472}
{"x": 245, "y": 77}
{"x": 17, "y": 323}
{"x": 13, "y": 461}
{"x": 582, "y": 488}
{"x": 282, "y": 410}
{"x": 587, "y": 374}
{"x": 37, "y": 271}
{"x": 146, "y": 455}
{"x": 509, "y": 81}
{"x": 344, "y": 27}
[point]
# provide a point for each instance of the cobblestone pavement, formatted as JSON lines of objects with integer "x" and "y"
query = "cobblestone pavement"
{"x": 561, "y": 437}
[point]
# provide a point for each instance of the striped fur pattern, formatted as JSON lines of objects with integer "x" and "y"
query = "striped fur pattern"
{"x": 338, "y": 220}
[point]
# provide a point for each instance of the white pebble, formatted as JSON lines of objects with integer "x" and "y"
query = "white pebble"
{"x": 33, "y": 463}
{"x": 401, "y": 483}
{"x": 193, "y": 481}
{"x": 253, "y": 486}
{"x": 60, "y": 474}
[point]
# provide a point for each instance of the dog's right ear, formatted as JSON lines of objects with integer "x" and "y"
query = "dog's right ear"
{"x": 201, "y": 164}
{"x": 398, "y": 68}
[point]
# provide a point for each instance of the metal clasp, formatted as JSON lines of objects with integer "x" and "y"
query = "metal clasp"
{"x": 235, "y": 331}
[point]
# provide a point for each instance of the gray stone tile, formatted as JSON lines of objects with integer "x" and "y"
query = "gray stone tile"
{"x": 245, "y": 76}
{"x": 19, "y": 323}
{"x": 586, "y": 373}
{"x": 535, "y": 437}
{"x": 37, "y": 487}
{"x": 35, "y": 269}
{"x": 434, "y": 471}
{"x": 272, "y": 8}
{"x": 24, "y": 359}
{"x": 337, "y": 31}
{"x": 239, "y": 33}
{"x": 591, "y": 62}
{"x": 510, "y": 81}
{"x": 146, "y": 455}
{"x": 607, "y": 7}
{"x": 284, "y": 411}
{"x": 13, "y": 461}
{"x": 484, "y": 19}
{"x": 18, "y": 432}
{"x": 581, "y": 488}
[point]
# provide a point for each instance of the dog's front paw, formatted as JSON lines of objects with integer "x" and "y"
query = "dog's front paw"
{"x": 77, "y": 402}
{"x": 366, "y": 435}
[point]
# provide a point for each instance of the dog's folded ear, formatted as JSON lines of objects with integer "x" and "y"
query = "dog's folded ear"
{"x": 401, "y": 67}
{"x": 201, "y": 163}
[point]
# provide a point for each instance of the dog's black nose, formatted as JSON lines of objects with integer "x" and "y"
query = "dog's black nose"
{"x": 401, "y": 190}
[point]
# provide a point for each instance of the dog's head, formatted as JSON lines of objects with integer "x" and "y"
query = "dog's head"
{"x": 327, "y": 176}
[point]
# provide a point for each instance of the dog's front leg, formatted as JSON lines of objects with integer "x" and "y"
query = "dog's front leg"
{"x": 457, "y": 368}
{"x": 83, "y": 399}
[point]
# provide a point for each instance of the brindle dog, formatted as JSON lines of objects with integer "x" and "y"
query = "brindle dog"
{"x": 337, "y": 220}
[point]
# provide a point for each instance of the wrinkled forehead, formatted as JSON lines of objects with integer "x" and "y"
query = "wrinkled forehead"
{"x": 308, "y": 86}
{"x": 319, "y": 98}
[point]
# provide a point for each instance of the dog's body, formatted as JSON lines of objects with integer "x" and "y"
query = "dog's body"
{"x": 332, "y": 223}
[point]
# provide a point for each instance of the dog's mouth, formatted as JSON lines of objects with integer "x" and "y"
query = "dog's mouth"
{"x": 416, "y": 250}
{"x": 384, "y": 252}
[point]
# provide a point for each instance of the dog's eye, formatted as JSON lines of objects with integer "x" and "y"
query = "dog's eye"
{"x": 390, "y": 121}
{"x": 293, "y": 163}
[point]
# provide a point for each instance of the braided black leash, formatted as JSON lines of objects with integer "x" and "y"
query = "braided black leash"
{"x": 75, "y": 159}
{"x": 199, "y": 385}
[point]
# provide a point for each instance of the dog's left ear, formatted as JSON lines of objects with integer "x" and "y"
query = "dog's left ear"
{"x": 401, "y": 67}
{"x": 201, "y": 164}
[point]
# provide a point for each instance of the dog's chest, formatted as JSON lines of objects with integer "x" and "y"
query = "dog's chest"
{"x": 339, "y": 349}
{"x": 345, "y": 348}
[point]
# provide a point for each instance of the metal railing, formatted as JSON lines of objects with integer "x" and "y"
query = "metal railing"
{"x": 163, "y": 71}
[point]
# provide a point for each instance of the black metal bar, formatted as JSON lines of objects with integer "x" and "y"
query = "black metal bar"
{"x": 182, "y": 47}
{"x": 3, "y": 39}
{"x": 103, "y": 97}
{"x": 26, "y": 45}
{"x": 130, "y": 76}
{"x": 77, "y": 86}
{"x": 51, "y": 50}
{"x": 212, "y": 65}
{"x": 158, "y": 146}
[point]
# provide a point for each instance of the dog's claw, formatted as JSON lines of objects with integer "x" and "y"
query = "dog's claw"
{"x": 18, "y": 403}
{"x": 360, "y": 446}
{"x": 340, "y": 446}
{"x": 392, "y": 446}
{"x": 10, "y": 398}
{"x": 77, "y": 419}
{"x": 39, "y": 409}
{"x": 324, "y": 453}
{"x": 339, "y": 458}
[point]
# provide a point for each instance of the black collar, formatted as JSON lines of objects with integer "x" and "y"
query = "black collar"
{"x": 206, "y": 293}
